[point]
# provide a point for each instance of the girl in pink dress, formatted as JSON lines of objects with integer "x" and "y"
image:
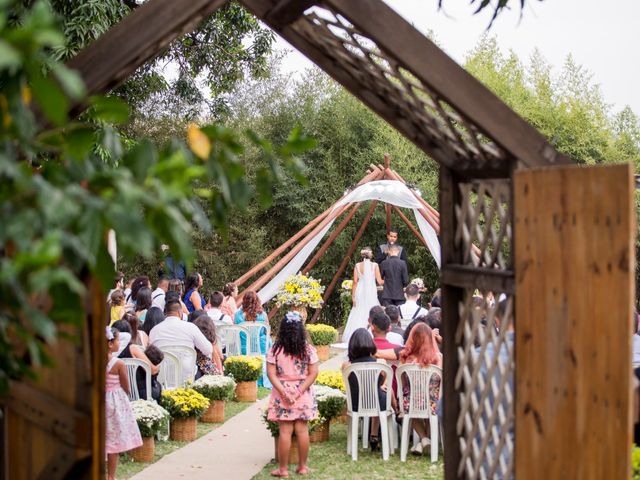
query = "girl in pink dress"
{"x": 122, "y": 429}
{"x": 292, "y": 367}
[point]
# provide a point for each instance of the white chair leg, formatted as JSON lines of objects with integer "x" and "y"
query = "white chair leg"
{"x": 433, "y": 422}
{"x": 384, "y": 436}
{"x": 404, "y": 439}
{"x": 354, "y": 438}
{"x": 393, "y": 433}
{"x": 365, "y": 432}
{"x": 349, "y": 434}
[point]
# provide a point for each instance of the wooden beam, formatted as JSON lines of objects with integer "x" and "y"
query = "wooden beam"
{"x": 338, "y": 230}
{"x": 387, "y": 213}
{"x": 468, "y": 96}
{"x": 347, "y": 257}
{"x": 484, "y": 279}
{"x": 287, "y": 11}
{"x": 575, "y": 238}
{"x": 138, "y": 38}
{"x": 410, "y": 225}
{"x": 375, "y": 172}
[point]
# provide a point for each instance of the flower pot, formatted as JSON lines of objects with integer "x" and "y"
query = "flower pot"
{"x": 145, "y": 452}
{"x": 215, "y": 412}
{"x": 320, "y": 434}
{"x": 323, "y": 352}
{"x": 302, "y": 310}
{"x": 183, "y": 429}
{"x": 293, "y": 451}
{"x": 247, "y": 391}
{"x": 342, "y": 418}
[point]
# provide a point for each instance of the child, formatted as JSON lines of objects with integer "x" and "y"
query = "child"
{"x": 116, "y": 300}
{"x": 122, "y": 429}
{"x": 292, "y": 367}
{"x": 155, "y": 356}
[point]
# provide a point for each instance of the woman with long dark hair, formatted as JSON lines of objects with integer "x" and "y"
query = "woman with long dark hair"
{"x": 292, "y": 366}
{"x": 192, "y": 298}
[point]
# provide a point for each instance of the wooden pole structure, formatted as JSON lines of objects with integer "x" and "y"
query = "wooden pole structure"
{"x": 410, "y": 225}
{"x": 396, "y": 176}
{"x": 347, "y": 257}
{"x": 277, "y": 252}
{"x": 387, "y": 211}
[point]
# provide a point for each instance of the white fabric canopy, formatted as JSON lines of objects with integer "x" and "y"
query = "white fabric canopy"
{"x": 393, "y": 192}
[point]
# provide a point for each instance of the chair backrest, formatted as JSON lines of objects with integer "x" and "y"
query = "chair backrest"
{"x": 422, "y": 382}
{"x": 133, "y": 364}
{"x": 254, "y": 332}
{"x": 367, "y": 376}
{"x": 230, "y": 335}
{"x": 170, "y": 374}
{"x": 187, "y": 356}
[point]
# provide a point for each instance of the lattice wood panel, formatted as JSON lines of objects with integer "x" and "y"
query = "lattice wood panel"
{"x": 484, "y": 380}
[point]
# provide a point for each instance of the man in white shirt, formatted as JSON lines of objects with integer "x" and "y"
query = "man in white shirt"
{"x": 175, "y": 332}
{"x": 410, "y": 310}
{"x": 218, "y": 317}
{"x": 157, "y": 296}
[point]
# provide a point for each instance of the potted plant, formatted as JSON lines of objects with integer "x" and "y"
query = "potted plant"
{"x": 184, "y": 405}
{"x": 245, "y": 371}
{"x": 322, "y": 336}
{"x": 217, "y": 389}
{"x": 150, "y": 418}
{"x": 346, "y": 299}
{"x": 331, "y": 404}
{"x": 274, "y": 429}
{"x": 333, "y": 379}
{"x": 300, "y": 292}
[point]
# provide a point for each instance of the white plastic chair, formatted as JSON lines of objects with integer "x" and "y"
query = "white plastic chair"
{"x": 170, "y": 374}
{"x": 367, "y": 375}
{"x": 133, "y": 364}
{"x": 187, "y": 356}
{"x": 253, "y": 331}
{"x": 419, "y": 379}
{"x": 230, "y": 335}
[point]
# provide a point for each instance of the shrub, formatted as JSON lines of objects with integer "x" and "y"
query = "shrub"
{"x": 331, "y": 401}
{"x": 184, "y": 402}
{"x": 635, "y": 463}
{"x": 149, "y": 415}
{"x": 215, "y": 387}
{"x": 322, "y": 334}
{"x": 331, "y": 378}
{"x": 243, "y": 368}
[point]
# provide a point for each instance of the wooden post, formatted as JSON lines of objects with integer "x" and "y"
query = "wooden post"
{"x": 347, "y": 257}
{"x": 574, "y": 265}
{"x": 410, "y": 225}
{"x": 387, "y": 211}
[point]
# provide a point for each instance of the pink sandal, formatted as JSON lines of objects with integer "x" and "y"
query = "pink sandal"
{"x": 302, "y": 470}
{"x": 279, "y": 473}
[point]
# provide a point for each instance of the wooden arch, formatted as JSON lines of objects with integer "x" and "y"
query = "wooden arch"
{"x": 484, "y": 150}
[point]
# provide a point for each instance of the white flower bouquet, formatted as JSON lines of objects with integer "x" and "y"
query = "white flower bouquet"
{"x": 215, "y": 387}
{"x": 300, "y": 290}
{"x": 150, "y": 416}
{"x": 418, "y": 282}
{"x": 331, "y": 401}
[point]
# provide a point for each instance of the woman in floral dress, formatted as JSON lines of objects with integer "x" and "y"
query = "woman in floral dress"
{"x": 292, "y": 366}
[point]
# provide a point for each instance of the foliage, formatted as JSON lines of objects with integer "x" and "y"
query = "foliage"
{"x": 331, "y": 401}
{"x": 635, "y": 463}
{"x": 149, "y": 415}
{"x": 321, "y": 334}
{"x": 300, "y": 290}
{"x": 65, "y": 185}
{"x": 346, "y": 300}
{"x": 243, "y": 368}
{"x": 274, "y": 428}
{"x": 184, "y": 402}
{"x": 331, "y": 378}
{"x": 215, "y": 387}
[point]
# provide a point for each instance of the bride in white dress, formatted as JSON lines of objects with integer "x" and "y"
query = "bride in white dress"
{"x": 364, "y": 293}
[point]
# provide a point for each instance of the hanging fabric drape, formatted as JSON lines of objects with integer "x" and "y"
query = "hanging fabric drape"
{"x": 393, "y": 192}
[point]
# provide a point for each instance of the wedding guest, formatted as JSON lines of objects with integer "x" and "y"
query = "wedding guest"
{"x": 228, "y": 305}
{"x": 410, "y": 310}
{"x": 251, "y": 311}
{"x": 193, "y": 300}
{"x": 155, "y": 356}
{"x": 157, "y": 296}
{"x": 194, "y": 315}
{"x": 153, "y": 318}
{"x": 436, "y": 299}
{"x": 175, "y": 286}
{"x": 116, "y": 301}
{"x": 122, "y": 432}
{"x": 215, "y": 311}
{"x": 208, "y": 365}
{"x": 393, "y": 312}
{"x": 136, "y": 285}
{"x": 292, "y": 366}
{"x": 138, "y": 336}
{"x": 394, "y": 273}
{"x": 143, "y": 303}
{"x": 131, "y": 350}
{"x": 118, "y": 284}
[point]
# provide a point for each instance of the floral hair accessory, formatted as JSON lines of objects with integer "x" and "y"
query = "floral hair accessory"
{"x": 109, "y": 333}
{"x": 292, "y": 317}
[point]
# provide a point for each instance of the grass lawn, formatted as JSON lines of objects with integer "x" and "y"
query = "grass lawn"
{"x": 329, "y": 460}
{"x": 128, "y": 468}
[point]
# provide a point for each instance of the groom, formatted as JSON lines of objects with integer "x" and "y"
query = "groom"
{"x": 394, "y": 273}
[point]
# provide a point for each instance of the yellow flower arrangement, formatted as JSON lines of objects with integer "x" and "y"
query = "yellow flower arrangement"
{"x": 300, "y": 290}
{"x": 243, "y": 368}
{"x": 322, "y": 334}
{"x": 184, "y": 402}
{"x": 331, "y": 378}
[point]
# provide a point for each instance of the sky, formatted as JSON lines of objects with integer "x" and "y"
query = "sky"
{"x": 603, "y": 37}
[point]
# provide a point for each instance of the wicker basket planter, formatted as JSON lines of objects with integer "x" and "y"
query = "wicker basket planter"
{"x": 293, "y": 451}
{"x": 323, "y": 352}
{"x": 215, "y": 412}
{"x": 320, "y": 434}
{"x": 342, "y": 418}
{"x": 183, "y": 429}
{"x": 145, "y": 452}
{"x": 247, "y": 391}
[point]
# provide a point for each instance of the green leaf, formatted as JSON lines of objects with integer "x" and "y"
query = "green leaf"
{"x": 80, "y": 141}
{"x": 10, "y": 58}
{"x": 70, "y": 80}
{"x": 140, "y": 159}
{"x": 52, "y": 101}
{"x": 110, "y": 109}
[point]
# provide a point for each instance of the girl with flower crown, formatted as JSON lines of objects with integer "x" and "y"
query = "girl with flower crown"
{"x": 122, "y": 429}
{"x": 292, "y": 367}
